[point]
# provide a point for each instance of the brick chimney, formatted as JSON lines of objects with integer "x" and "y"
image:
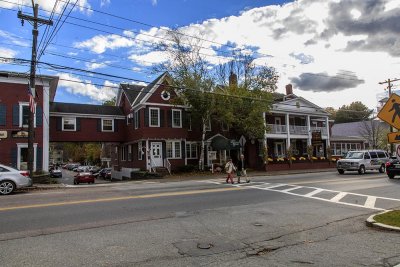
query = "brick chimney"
{"x": 289, "y": 89}
{"x": 233, "y": 80}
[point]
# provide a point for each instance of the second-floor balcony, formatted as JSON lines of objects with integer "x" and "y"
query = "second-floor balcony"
{"x": 294, "y": 129}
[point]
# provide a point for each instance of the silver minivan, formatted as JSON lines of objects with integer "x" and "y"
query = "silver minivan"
{"x": 11, "y": 179}
{"x": 363, "y": 160}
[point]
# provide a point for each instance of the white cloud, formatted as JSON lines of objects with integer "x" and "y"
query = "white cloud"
{"x": 104, "y": 3}
{"x": 97, "y": 65}
{"x": 74, "y": 85}
{"x": 153, "y": 2}
{"x": 5, "y": 52}
{"x": 100, "y": 43}
{"x": 47, "y": 5}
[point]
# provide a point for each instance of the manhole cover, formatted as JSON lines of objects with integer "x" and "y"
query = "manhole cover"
{"x": 258, "y": 224}
{"x": 204, "y": 245}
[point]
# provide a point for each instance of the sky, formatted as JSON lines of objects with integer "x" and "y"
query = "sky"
{"x": 334, "y": 52}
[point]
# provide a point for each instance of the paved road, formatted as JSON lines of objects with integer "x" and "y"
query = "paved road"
{"x": 290, "y": 220}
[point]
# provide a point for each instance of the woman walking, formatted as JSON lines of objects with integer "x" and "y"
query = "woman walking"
{"x": 230, "y": 169}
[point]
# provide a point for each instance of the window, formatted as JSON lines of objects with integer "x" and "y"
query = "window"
{"x": 123, "y": 153}
{"x": 191, "y": 150}
{"x": 381, "y": 154}
{"x": 68, "y": 124}
{"x": 107, "y": 125}
{"x": 373, "y": 155}
{"x": 173, "y": 149}
{"x": 136, "y": 119}
{"x": 130, "y": 152}
{"x": 176, "y": 118}
{"x": 24, "y": 112}
{"x": 140, "y": 151}
{"x": 154, "y": 117}
{"x": 165, "y": 95}
{"x": 3, "y": 169}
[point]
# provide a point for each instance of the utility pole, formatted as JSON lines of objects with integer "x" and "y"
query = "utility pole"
{"x": 389, "y": 82}
{"x": 32, "y": 77}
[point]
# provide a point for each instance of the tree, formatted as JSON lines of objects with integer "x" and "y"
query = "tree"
{"x": 356, "y": 111}
{"x": 332, "y": 112}
{"x": 110, "y": 102}
{"x": 196, "y": 81}
{"x": 375, "y": 131}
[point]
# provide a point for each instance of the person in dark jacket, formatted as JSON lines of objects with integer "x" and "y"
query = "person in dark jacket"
{"x": 241, "y": 169}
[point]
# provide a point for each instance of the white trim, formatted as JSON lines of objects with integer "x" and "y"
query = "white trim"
{"x": 102, "y": 125}
{"x": 173, "y": 142}
{"x": 25, "y": 145}
{"x": 80, "y": 115}
{"x": 136, "y": 119}
{"x": 25, "y": 104}
{"x": 190, "y": 154}
{"x": 158, "y": 117}
{"x": 153, "y": 88}
{"x": 46, "y": 129}
{"x": 68, "y": 130}
{"x": 180, "y": 118}
{"x": 160, "y": 104}
{"x": 168, "y": 95}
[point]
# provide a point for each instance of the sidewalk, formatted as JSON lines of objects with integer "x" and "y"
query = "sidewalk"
{"x": 178, "y": 177}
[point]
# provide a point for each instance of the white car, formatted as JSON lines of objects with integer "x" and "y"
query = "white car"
{"x": 11, "y": 179}
{"x": 363, "y": 160}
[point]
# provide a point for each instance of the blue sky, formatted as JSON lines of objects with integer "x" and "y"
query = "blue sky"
{"x": 327, "y": 49}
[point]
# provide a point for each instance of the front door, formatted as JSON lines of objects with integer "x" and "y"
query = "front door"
{"x": 279, "y": 150}
{"x": 156, "y": 154}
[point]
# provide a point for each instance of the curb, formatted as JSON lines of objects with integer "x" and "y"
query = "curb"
{"x": 370, "y": 222}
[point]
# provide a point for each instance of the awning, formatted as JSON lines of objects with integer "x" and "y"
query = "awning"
{"x": 220, "y": 143}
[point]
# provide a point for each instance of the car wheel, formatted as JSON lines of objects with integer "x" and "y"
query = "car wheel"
{"x": 340, "y": 171}
{"x": 6, "y": 187}
{"x": 391, "y": 176}
{"x": 361, "y": 170}
{"x": 382, "y": 169}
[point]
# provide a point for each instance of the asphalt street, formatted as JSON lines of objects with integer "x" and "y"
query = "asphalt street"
{"x": 287, "y": 220}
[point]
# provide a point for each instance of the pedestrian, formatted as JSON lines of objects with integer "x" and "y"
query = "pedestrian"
{"x": 230, "y": 169}
{"x": 242, "y": 169}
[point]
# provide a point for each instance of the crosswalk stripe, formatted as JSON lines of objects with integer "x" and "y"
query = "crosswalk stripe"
{"x": 338, "y": 197}
{"x": 291, "y": 189}
{"x": 370, "y": 202}
{"x": 312, "y": 193}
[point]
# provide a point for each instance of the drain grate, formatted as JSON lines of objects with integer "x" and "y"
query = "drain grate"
{"x": 204, "y": 245}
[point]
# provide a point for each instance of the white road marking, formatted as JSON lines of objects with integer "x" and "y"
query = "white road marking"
{"x": 370, "y": 202}
{"x": 338, "y": 197}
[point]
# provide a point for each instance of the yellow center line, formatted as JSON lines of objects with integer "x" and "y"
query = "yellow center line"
{"x": 167, "y": 194}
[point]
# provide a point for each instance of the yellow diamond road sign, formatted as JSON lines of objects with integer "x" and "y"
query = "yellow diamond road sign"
{"x": 393, "y": 137}
{"x": 391, "y": 111}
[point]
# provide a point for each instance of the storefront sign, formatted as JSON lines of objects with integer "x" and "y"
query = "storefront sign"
{"x": 316, "y": 137}
{"x": 3, "y": 134}
{"x": 19, "y": 134}
{"x": 212, "y": 155}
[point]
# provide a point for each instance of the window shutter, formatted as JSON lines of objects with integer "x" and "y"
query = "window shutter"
{"x": 78, "y": 124}
{"x": 170, "y": 118}
{"x": 3, "y": 117}
{"x": 139, "y": 112}
{"x": 14, "y": 157}
{"x": 39, "y": 159}
{"x": 183, "y": 149}
{"x": 58, "y": 123}
{"x": 15, "y": 115}
{"x": 115, "y": 125}
{"x": 39, "y": 116}
{"x": 161, "y": 118}
{"x": 146, "y": 117}
{"x": 133, "y": 119}
{"x": 184, "y": 120}
{"x": 164, "y": 150}
{"x": 99, "y": 125}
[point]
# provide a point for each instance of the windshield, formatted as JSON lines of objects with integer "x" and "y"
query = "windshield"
{"x": 354, "y": 155}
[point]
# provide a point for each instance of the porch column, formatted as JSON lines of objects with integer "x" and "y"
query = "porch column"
{"x": 308, "y": 131}
{"x": 265, "y": 133}
{"x": 288, "y": 131}
{"x": 147, "y": 156}
{"x": 328, "y": 143}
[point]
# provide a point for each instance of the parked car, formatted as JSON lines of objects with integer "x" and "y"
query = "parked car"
{"x": 108, "y": 174}
{"x": 72, "y": 166}
{"x": 11, "y": 179}
{"x": 84, "y": 177}
{"x": 102, "y": 172}
{"x": 55, "y": 173}
{"x": 94, "y": 169}
{"x": 392, "y": 168}
{"x": 363, "y": 160}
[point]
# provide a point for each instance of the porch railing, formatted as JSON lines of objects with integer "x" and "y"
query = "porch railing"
{"x": 294, "y": 129}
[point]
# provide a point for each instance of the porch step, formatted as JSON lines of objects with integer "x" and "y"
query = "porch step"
{"x": 162, "y": 170}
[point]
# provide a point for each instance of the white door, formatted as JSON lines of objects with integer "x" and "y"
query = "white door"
{"x": 156, "y": 154}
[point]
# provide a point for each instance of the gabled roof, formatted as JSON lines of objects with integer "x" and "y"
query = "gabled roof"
{"x": 87, "y": 109}
{"x": 354, "y": 129}
{"x": 147, "y": 91}
{"x": 300, "y": 105}
{"x": 131, "y": 91}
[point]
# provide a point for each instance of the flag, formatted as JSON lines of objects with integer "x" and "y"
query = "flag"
{"x": 31, "y": 100}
